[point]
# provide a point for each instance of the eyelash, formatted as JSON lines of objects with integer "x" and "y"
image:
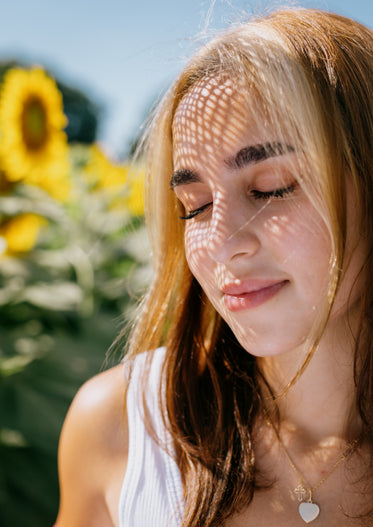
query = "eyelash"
{"x": 256, "y": 194}
{"x": 278, "y": 193}
{"x": 195, "y": 212}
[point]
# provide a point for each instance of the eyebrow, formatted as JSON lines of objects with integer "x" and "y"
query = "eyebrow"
{"x": 257, "y": 153}
{"x": 249, "y": 155}
{"x": 184, "y": 176}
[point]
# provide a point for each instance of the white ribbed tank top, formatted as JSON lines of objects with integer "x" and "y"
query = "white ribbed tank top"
{"x": 151, "y": 494}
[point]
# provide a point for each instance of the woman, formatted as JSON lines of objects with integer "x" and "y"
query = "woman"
{"x": 257, "y": 410}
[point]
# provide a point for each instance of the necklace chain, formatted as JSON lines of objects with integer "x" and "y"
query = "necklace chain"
{"x": 307, "y": 509}
{"x": 302, "y": 481}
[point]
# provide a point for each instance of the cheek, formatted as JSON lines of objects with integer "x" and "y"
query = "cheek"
{"x": 301, "y": 243}
{"x": 195, "y": 249}
{"x": 201, "y": 265}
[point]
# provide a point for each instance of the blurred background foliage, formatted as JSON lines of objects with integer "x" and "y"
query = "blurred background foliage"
{"x": 74, "y": 258}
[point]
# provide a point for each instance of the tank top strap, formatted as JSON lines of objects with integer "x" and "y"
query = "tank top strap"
{"x": 151, "y": 494}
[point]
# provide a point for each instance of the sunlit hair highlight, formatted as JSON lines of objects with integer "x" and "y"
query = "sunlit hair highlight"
{"x": 312, "y": 73}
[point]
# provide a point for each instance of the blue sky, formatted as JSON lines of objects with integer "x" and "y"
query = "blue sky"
{"x": 124, "y": 53}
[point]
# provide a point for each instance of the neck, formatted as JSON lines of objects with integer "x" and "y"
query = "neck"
{"x": 321, "y": 405}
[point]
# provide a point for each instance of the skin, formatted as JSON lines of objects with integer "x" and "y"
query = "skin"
{"x": 261, "y": 253}
{"x": 93, "y": 453}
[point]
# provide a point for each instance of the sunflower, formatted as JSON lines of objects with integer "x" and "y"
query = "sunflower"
{"x": 103, "y": 174}
{"x": 124, "y": 183}
{"x": 33, "y": 146}
{"x": 20, "y": 234}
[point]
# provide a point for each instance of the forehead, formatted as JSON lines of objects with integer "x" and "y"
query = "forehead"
{"x": 218, "y": 115}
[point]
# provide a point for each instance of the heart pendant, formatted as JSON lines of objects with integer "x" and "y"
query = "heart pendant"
{"x": 308, "y": 511}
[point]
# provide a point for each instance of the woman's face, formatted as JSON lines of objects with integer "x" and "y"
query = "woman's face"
{"x": 253, "y": 240}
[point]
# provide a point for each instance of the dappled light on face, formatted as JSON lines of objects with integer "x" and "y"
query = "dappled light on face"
{"x": 253, "y": 239}
{"x": 209, "y": 126}
{"x": 206, "y": 130}
{"x": 279, "y": 226}
{"x": 275, "y": 224}
{"x": 205, "y": 115}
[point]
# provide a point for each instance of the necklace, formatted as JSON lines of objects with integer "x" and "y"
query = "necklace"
{"x": 308, "y": 510}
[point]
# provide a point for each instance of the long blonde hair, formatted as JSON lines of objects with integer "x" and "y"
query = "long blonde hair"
{"x": 313, "y": 72}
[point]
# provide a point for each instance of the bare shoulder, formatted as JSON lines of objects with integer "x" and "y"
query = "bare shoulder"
{"x": 93, "y": 452}
{"x": 100, "y": 405}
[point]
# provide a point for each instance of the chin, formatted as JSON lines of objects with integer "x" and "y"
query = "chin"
{"x": 273, "y": 348}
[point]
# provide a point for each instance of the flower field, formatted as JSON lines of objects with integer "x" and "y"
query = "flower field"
{"x": 74, "y": 259}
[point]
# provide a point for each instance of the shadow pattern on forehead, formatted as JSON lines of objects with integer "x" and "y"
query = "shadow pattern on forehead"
{"x": 219, "y": 119}
{"x": 209, "y": 113}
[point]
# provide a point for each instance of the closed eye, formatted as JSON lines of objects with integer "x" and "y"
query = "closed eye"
{"x": 256, "y": 194}
{"x": 278, "y": 193}
{"x": 195, "y": 212}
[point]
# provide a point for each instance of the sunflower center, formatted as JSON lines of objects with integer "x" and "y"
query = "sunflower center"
{"x": 34, "y": 123}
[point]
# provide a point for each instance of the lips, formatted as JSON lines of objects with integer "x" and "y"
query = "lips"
{"x": 251, "y": 294}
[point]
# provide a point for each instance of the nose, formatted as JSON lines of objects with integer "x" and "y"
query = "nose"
{"x": 232, "y": 235}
